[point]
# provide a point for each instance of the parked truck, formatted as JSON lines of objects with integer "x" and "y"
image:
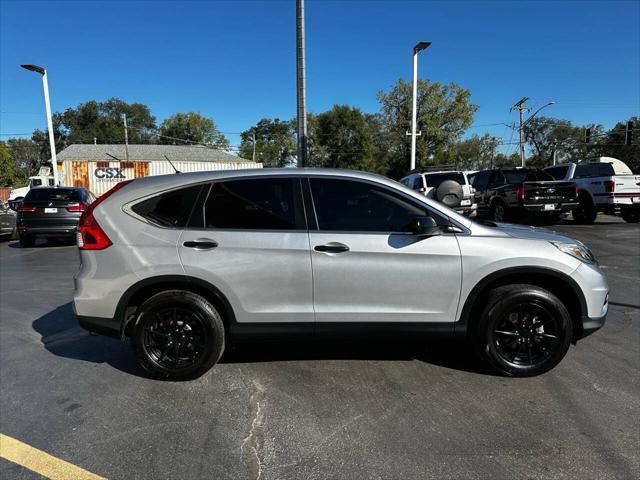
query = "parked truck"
{"x": 600, "y": 189}
{"x": 43, "y": 179}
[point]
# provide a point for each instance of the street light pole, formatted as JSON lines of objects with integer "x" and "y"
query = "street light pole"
{"x": 47, "y": 106}
{"x": 414, "y": 113}
{"x": 301, "y": 81}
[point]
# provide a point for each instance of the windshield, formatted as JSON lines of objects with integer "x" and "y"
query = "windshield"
{"x": 435, "y": 179}
{"x": 53, "y": 195}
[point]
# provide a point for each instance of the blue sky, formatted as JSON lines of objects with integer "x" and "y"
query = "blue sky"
{"x": 235, "y": 61}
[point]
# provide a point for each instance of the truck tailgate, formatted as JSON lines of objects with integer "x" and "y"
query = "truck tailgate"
{"x": 549, "y": 192}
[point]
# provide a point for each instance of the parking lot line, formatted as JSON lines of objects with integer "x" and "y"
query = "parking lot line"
{"x": 40, "y": 462}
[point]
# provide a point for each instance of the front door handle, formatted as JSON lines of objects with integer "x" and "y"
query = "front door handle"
{"x": 332, "y": 248}
{"x": 201, "y": 244}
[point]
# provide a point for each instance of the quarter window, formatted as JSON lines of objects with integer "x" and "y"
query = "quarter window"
{"x": 345, "y": 205}
{"x": 170, "y": 209}
{"x": 255, "y": 204}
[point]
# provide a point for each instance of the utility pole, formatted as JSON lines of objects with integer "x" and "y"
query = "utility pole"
{"x": 555, "y": 152}
{"x": 126, "y": 136}
{"x": 521, "y": 108}
{"x": 301, "y": 85}
{"x": 494, "y": 144}
{"x": 253, "y": 135}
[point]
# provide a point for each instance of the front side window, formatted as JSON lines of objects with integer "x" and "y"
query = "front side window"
{"x": 255, "y": 204}
{"x": 352, "y": 206}
{"x": 170, "y": 209}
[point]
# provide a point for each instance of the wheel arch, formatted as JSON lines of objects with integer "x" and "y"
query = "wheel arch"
{"x": 144, "y": 289}
{"x": 558, "y": 283}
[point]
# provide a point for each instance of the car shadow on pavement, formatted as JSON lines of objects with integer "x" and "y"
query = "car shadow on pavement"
{"x": 47, "y": 242}
{"x": 62, "y": 336}
{"x": 456, "y": 355}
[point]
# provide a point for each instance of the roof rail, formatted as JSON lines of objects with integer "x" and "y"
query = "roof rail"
{"x": 434, "y": 168}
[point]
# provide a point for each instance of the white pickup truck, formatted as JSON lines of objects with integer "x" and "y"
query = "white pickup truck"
{"x": 600, "y": 189}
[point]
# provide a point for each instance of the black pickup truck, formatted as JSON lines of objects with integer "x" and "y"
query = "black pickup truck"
{"x": 513, "y": 193}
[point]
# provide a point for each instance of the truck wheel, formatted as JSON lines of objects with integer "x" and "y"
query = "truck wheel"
{"x": 178, "y": 335}
{"x": 523, "y": 331}
{"x": 27, "y": 241}
{"x": 631, "y": 214}
{"x": 586, "y": 212}
{"x": 498, "y": 211}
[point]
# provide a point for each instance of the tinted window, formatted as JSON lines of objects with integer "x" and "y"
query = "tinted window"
{"x": 435, "y": 179}
{"x": 53, "y": 195}
{"x": 256, "y": 204}
{"x": 347, "y": 205}
{"x": 481, "y": 179}
{"x": 417, "y": 183}
{"x": 584, "y": 170}
{"x": 543, "y": 176}
{"x": 519, "y": 176}
{"x": 558, "y": 173}
{"x": 170, "y": 209}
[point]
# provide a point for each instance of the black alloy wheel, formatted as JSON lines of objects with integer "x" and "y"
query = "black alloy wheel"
{"x": 498, "y": 212}
{"x": 524, "y": 330}
{"x": 178, "y": 335}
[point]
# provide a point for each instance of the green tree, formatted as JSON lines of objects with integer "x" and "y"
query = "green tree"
{"x": 475, "y": 153}
{"x": 444, "y": 112}
{"x": 26, "y": 155}
{"x": 193, "y": 128}
{"x": 275, "y": 142}
{"x": 345, "y": 139}
{"x": 612, "y": 144}
{"x": 547, "y": 136}
{"x": 10, "y": 173}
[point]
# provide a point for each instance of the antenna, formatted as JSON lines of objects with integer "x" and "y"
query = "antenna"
{"x": 112, "y": 156}
{"x": 171, "y": 163}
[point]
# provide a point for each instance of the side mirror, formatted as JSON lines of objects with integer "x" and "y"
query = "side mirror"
{"x": 424, "y": 227}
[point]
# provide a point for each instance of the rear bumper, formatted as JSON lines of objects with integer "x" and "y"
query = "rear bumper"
{"x": 103, "y": 326}
{"x": 557, "y": 207}
{"x": 469, "y": 210}
{"x": 61, "y": 230}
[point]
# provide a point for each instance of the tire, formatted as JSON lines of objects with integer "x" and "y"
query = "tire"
{"x": 508, "y": 339}
{"x": 586, "y": 212}
{"x": 631, "y": 214}
{"x": 27, "y": 241}
{"x": 178, "y": 335}
{"x": 498, "y": 211}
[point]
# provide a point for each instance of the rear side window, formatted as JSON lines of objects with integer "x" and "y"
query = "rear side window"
{"x": 170, "y": 209}
{"x": 53, "y": 195}
{"x": 352, "y": 206}
{"x": 435, "y": 179}
{"x": 417, "y": 183}
{"x": 519, "y": 176}
{"x": 255, "y": 204}
{"x": 481, "y": 179}
{"x": 558, "y": 173}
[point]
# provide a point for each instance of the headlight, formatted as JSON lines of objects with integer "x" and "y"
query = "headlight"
{"x": 577, "y": 250}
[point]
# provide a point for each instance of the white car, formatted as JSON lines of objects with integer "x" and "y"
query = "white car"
{"x": 600, "y": 189}
{"x": 450, "y": 187}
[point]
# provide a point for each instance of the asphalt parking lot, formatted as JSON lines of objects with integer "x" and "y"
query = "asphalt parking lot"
{"x": 320, "y": 411}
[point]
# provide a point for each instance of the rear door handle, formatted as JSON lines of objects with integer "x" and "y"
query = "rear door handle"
{"x": 201, "y": 244}
{"x": 332, "y": 248}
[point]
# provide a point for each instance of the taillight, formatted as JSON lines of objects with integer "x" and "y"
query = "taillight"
{"x": 77, "y": 207}
{"x": 27, "y": 208}
{"x": 609, "y": 186}
{"x": 577, "y": 192}
{"x": 520, "y": 194}
{"x": 90, "y": 234}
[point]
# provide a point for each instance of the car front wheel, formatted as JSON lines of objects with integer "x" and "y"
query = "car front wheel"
{"x": 524, "y": 330}
{"x": 178, "y": 335}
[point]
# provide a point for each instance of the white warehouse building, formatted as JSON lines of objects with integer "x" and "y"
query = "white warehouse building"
{"x": 100, "y": 167}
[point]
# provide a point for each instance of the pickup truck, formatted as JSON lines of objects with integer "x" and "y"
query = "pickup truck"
{"x": 601, "y": 190}
{"x": 513, "y": 193}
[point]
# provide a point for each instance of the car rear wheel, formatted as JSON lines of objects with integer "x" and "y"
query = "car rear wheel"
{"x": 524, "y": 330}
{"x": 586, "y": 212}
{"x": 178, "y": 335}
{"x": 27, "y": 241}
{"x": 631, "y": 214}
{"x": 498, "y": 211}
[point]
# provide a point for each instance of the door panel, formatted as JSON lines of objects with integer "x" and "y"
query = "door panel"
{"x": 377, "y": 275}
{"x": 386, "y": 277}
{"x": 253, "y": 245}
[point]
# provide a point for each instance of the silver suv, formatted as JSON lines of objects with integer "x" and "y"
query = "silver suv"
{"x": 185, "y": 263}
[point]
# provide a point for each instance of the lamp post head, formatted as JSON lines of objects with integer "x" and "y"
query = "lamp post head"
{"x": 420, "y": 46}
{"x": 34, "y": 68}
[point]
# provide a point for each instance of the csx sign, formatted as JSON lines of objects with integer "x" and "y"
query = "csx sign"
{"x": 106, "y": 174}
